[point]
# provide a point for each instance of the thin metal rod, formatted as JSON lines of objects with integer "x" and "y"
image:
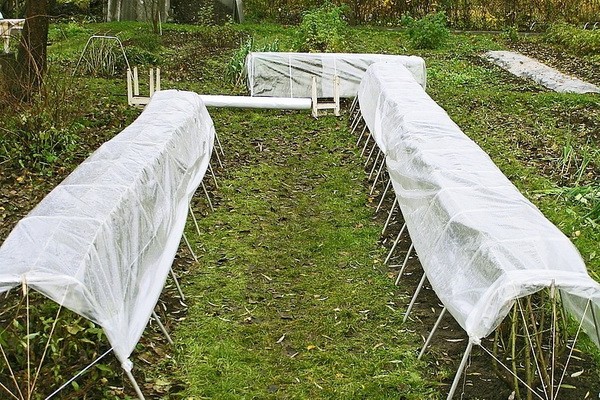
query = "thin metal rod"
{"x": 219, "y": 146}
{"x": 510, "y": 371}
{"x": 12, "y": 374}
{"x": 67, "y": 383}
{"x": 366, "y": 145}
{"x": 461, "y": 368}
{"x": 379, "y": 153}
{"x": 213, "y": 175}
{"x": 395, "y": 244}
{"x": 378, "y": 175}
{"x": 174, "y": 276}
{"x": 8, "y": 391}
{"x": 596, "y": 324}
{"x": 136, "y": 387}
{"x": 435, "y": 326}
{"x": 194, "y": 219}
{"x": 371, "y": 152}
{"x": 406, "y": 257}
{"x": 414, "y": 298}
{"x": 26, "y": 292}
{"x": 356, "y": 123}
{"x": 353, "y": 105}
{"x": 554, "y": 317}
{"x": 573, "y": 346}
{"x": 207, "y": 197}
{"x": 387, "y": 222}
{"x": 387, "y": 187}
{"x": 187, "y": 242}
{"x": 162, "y": 328}
{"x": 362, "y": 134}
{"x": 530, "y": 341}
{"x": 216, "y": 153}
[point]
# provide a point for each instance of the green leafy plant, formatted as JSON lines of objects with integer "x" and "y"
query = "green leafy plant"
{"x": 511, "y": 33}
{"x": 580, "y": 41}
{"x": 236, "y": 68}
{"x": 322, "y": 29}
{"x": 429, "y": 32}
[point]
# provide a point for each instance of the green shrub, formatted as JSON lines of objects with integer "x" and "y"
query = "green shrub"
{"x": 429, "y": 32}
{"x": 579, "y": 41}
{"x": 236, "y": 68}
{"x": 511, "y": 33}
{"x": 322, "y": 29}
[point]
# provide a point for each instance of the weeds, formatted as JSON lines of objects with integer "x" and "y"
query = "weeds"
{"x": 236, "y": 67}
{"x": 429, "y": 32}
{"x": 579, "y": 41}
{"x": 322, "y": 29}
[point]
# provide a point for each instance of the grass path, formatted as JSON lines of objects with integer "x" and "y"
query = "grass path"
{"x": 290, "y": 299}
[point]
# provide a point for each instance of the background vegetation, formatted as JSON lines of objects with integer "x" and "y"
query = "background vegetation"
{"x": 289, "y": 297}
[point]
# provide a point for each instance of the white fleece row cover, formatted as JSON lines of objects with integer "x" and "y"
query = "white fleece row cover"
{"x": 528, "y": 68}
{"x": 480, "y": 242}
{"x": 275, "y": 74}
{"x": 103, "y": 241}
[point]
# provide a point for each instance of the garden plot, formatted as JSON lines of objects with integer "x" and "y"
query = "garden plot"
{"x": 103, "y": 241}
{"x": 482, "y": 245}
{"x": 529, "y": 68}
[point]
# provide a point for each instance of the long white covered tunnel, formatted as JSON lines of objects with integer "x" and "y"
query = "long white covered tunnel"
{"x": 103, "y": 241}
{"x": 481, "y": 243}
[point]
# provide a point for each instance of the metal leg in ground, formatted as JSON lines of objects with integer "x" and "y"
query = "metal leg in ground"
{"x": 414, "y": 298}
{"x": 355, "y": 123}
{"x": 207, "y": 197}
{"x": 387, "y": 187}
{"x": 435, "y": 326}
{"x": 389, "y": 218}
{"x": 190, "y": 247}
{"x": 136, "y": 387}
{"x": 219, "y": 144}
{"x": 162, "y": 328}
{"x": 377, "y": 176}
{"x": 216, "y": 153}
{"x": 353, "y": 105}
{"x": 194, "y": 219}
{"x": 177, "y": 285}
{"x": 362, "y": 153}
{"x": 410, "y": 249}
{"x": 370, "y": 154}
{"x": 461, "y": 368}
{"x": 213, "y": 175}
{"x": 379, "y": 153}
{"x": 362, "y": 135}
{"x": 395, "y": 244}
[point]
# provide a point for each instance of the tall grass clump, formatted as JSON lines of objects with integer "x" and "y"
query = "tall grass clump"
{"x": 322, "y": 29}
{"x": 429, "y": 32}
{"x": 236, "y": 68}
{"x": 579, "y": 41}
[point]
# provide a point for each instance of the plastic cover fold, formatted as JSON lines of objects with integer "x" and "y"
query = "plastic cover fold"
{"x": 102, "y": 242}
{"x": 275, "y": 74}
{"x": 481, "y": 243}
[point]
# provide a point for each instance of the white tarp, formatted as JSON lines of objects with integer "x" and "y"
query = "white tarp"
{"x": 480, "y": 242}
{"x": 528, "y": 68}
{"x": 290, "y": 74}
{"x": 103, "y": 241}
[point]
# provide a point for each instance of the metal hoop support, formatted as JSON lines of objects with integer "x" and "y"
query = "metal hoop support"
{"x": 162, "y": 328}
{"x": 414, "y": 298}
{"x": 395, "y": 244}
{"x": 410, "y": 249}
{"x": 435, "y": 326}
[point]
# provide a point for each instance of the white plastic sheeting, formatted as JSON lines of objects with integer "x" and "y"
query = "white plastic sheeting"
{"x": 281, "y": 103}
{"x": 291, "y": 74}
{"x": 103, "y": 241}
{"x": 480, "y": 242}
{"x": 528, "y": 68}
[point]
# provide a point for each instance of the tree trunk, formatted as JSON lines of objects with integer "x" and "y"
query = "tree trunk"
{"x": 32, "y": 50}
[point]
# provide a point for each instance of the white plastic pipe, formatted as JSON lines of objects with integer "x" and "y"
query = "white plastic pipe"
{"x": 282, "y": 103}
